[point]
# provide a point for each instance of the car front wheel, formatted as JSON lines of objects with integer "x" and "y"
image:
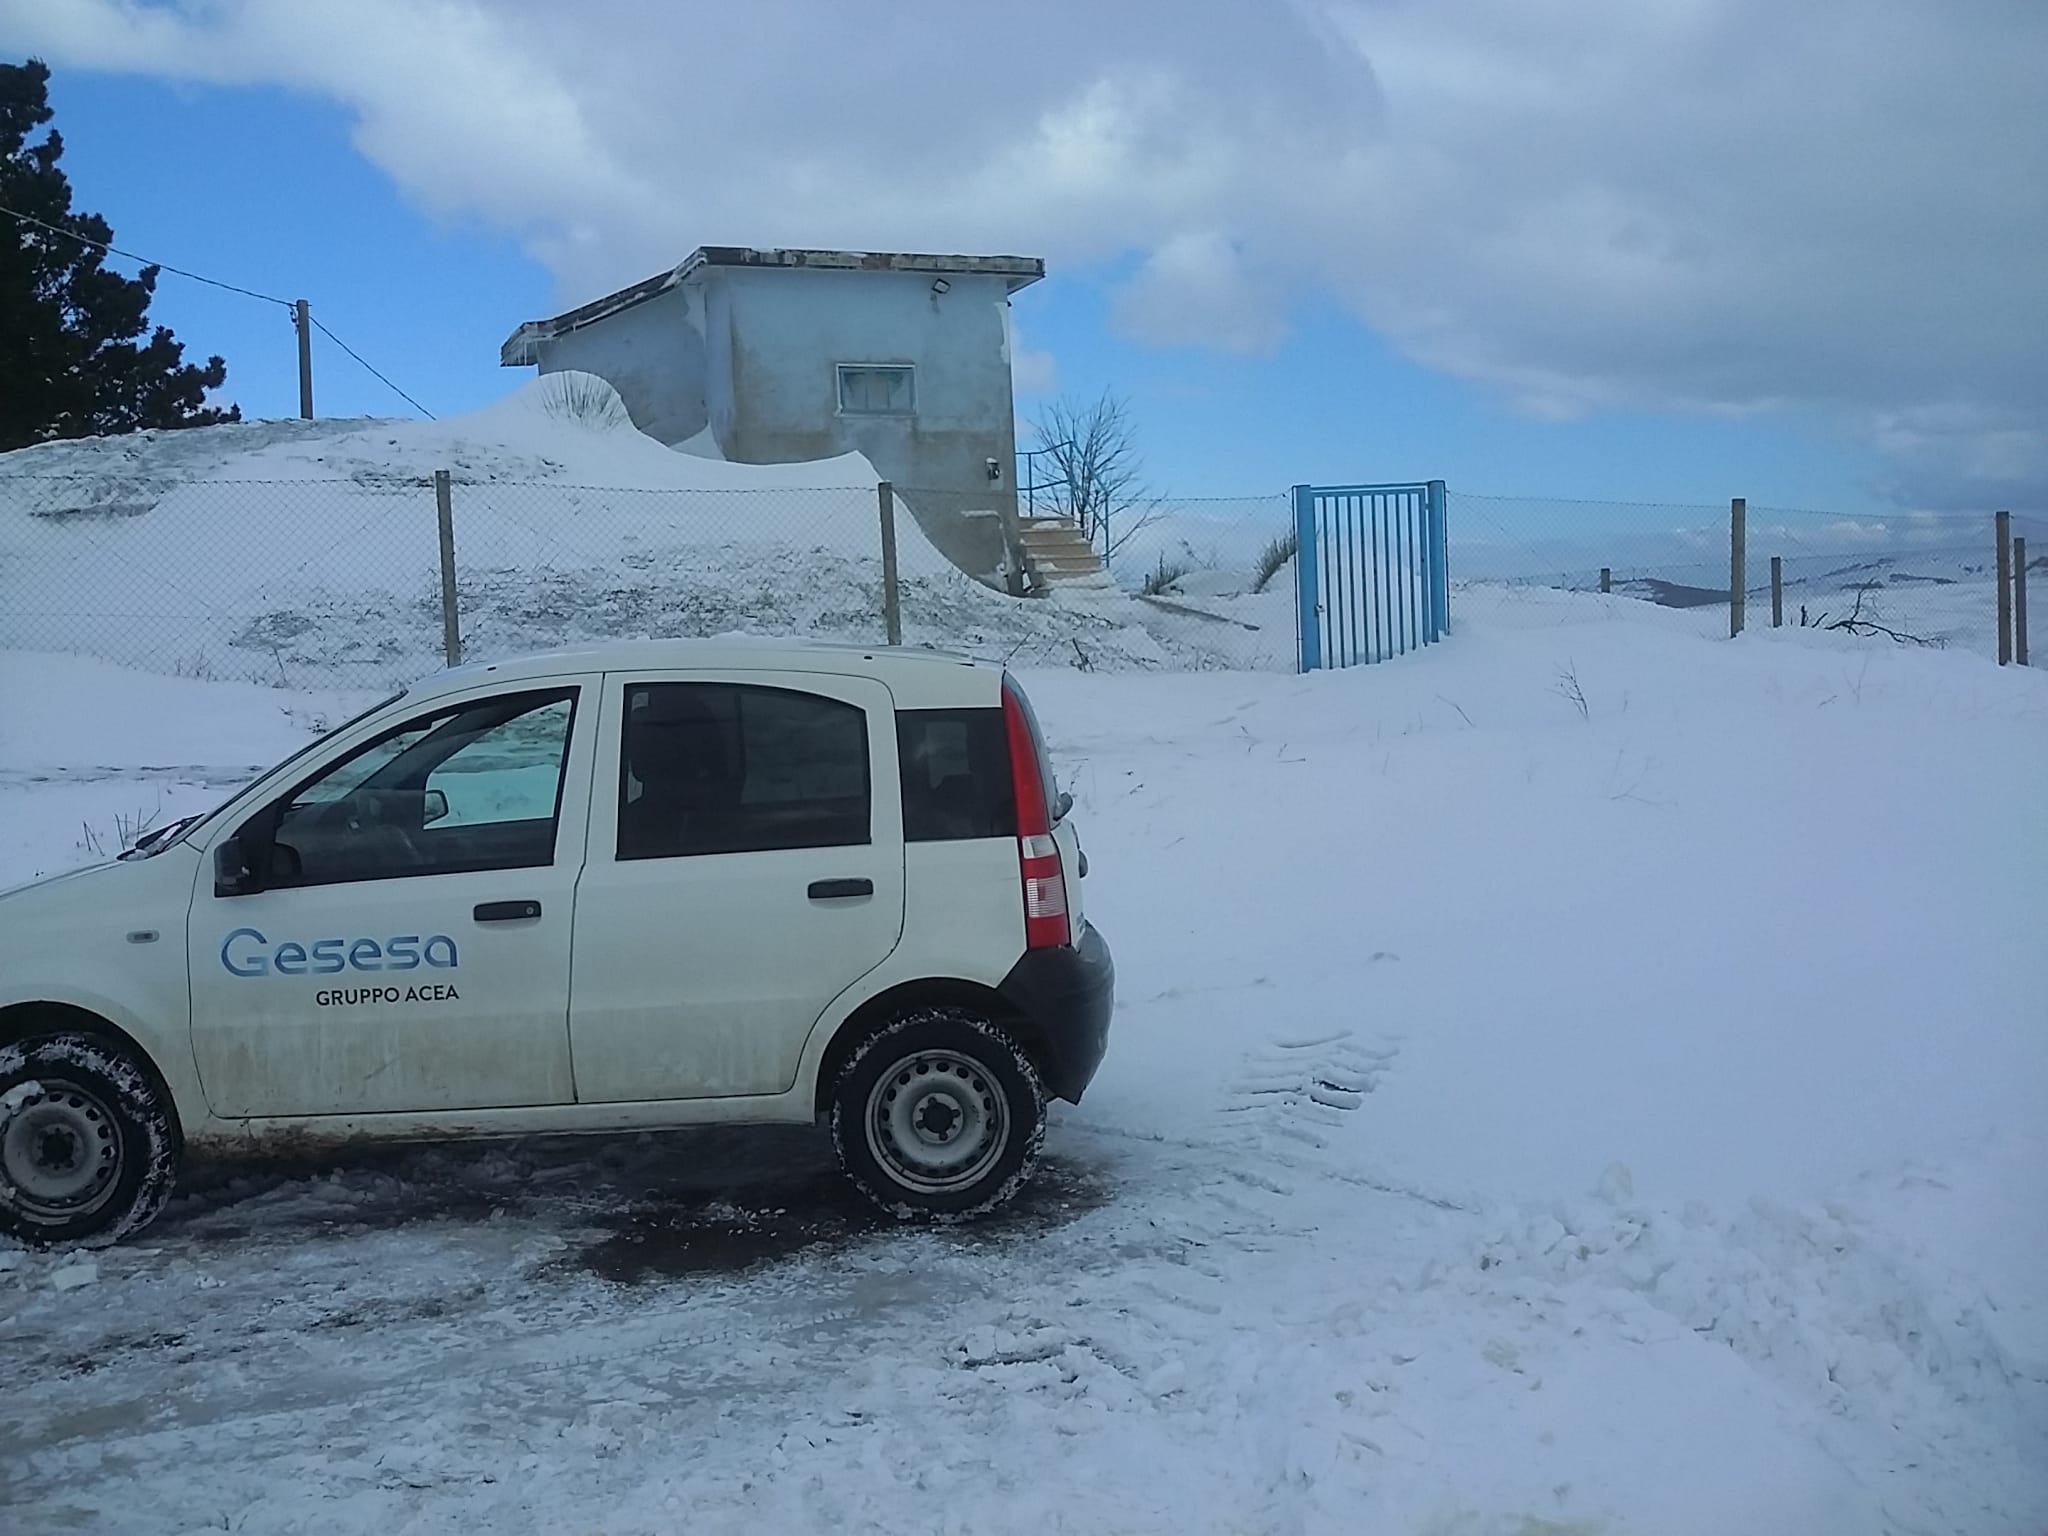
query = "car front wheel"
{"x": 939, "y": 1117}
{"x": 89, "y": 1147}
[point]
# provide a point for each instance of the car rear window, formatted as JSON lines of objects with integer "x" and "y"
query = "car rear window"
{"x": 739, "y": 768}
{"x": 956, "y": 775}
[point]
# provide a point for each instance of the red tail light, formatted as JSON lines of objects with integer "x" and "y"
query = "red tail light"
{"x": 1045, "y": 883}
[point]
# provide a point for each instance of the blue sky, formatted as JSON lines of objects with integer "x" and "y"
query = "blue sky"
{"x": 263, "y": 186}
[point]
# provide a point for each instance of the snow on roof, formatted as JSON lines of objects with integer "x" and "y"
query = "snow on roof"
{"x": 517, "y": 352}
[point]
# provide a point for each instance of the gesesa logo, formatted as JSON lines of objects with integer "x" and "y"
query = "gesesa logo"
{"x": 246, "y": 952}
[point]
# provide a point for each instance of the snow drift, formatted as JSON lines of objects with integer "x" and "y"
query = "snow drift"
{"x": 289, "y": 553}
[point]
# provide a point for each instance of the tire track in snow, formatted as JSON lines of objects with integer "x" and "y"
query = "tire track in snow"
{"x": 200, "y": 1417}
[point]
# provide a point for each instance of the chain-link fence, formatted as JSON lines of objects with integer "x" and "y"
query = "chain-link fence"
{"x": 1919, "y": 579}
{"x": 1213, "y": 574}
{"x": 337, "y": 581}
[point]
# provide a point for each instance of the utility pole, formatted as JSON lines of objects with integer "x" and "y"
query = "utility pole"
{"x": 302, "y": 321}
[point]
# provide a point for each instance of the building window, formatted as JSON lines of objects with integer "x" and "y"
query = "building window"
{"x": 877, "y": 389}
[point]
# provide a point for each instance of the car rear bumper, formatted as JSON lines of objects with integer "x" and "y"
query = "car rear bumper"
{"x": 1068, "y": 995}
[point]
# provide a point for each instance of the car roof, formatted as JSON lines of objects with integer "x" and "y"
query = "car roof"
{"x": 726, "y": 652}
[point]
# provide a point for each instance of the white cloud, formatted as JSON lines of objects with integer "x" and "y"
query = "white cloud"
{"x": 1961, "y": 454}
{"x": 1716, "y": 205}
{"x": 1199, "y": 290}
{"x": 1033, "y": 372}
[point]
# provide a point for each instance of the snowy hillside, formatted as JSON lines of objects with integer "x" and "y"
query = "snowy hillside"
{"x": 1618, "y": 1120}
{"x": 286, "y": 552}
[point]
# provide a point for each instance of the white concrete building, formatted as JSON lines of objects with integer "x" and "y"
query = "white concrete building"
{"x": 788, "y": 355}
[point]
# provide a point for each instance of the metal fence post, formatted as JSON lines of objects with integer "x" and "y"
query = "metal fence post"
{"x": 1606, "y": 578}
{"x": 2019, "y": 601}
{"x": 1777, "y": 593}
{"x": 1738, "y": 563}
{"x": 1019, "y": 581}
{"x": 892, "y": 599}
{"x": 1439, "y": 560}
{"x": 451, "y": 618}
{"x": 2002, "y": 524}
{"x": 1307, "y": 605}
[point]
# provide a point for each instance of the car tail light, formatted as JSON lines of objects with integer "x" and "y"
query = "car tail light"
{"x": 1046, "y": 925}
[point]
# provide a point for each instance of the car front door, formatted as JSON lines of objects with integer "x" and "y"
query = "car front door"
{"x": 745, "y": 867}
{"x": 400, "y": 936}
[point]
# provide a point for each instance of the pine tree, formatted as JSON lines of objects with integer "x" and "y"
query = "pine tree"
{"x": 72, "y": 359}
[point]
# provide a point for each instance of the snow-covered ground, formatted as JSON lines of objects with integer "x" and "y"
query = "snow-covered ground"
{"x": 1945, "y": 599}
{"x": 1928, "y": 581}
{"x": 295, "y": 553}
{"x": 1518, "y": 1119}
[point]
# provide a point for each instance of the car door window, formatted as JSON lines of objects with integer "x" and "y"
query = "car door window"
{"x": 735, "y": 768}
{"x": 469, "y": 787}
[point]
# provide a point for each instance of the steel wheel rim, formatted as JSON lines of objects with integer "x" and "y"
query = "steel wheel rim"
{"x": 937, "y": 1121}
{"x": 60, "y": 1153}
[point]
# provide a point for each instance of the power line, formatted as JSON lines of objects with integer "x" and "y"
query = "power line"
{"x": 211, "y": 282}
{"x": 214, "y": 282}
{"x": 352, "y": 352}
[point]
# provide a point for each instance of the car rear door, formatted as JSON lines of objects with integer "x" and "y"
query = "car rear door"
{"x": 745, "y": 867}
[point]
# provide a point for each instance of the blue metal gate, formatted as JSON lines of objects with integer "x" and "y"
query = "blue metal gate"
{"x": 1370, "y": 574}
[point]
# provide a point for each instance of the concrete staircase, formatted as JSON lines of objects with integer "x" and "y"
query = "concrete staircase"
{"x": 1058, "y": 558}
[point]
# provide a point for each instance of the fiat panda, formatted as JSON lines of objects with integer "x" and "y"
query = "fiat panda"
{"x": 650, "y": 885}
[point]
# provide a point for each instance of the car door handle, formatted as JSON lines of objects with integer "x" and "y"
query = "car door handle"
{"x": 838, "y": 890}
{"x": 506, "y": 911}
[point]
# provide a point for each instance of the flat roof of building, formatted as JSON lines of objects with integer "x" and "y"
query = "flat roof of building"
{"x": 518, "y": 350}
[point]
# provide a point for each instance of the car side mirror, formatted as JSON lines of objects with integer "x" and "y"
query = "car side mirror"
{"x": 1062, "y": 807}
{"x": 433, "y": 806}
{"x": 234, "y": 872}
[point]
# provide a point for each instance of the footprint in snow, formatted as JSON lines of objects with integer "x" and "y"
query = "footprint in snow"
{"x": 1310, "y": 1074}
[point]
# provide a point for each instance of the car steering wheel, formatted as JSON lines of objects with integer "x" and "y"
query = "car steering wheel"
{"x": 380, "y": 839}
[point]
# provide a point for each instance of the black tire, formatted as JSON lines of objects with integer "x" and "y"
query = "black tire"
{"x": 939, "y": 1116}
{"x": 89, "y": 1145}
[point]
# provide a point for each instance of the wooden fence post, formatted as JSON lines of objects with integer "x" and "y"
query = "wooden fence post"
{"x": 1738, "y": 558}
{"x": 892, "y": 597}
{"x": 1606, "y": 579}
{"x": 2019, "y": 601}
{"x": 1777, "y": 593}
{"x": 302, "y": 322}
{"x": 451, "y": 615}
{"x": 2002, "y": 524}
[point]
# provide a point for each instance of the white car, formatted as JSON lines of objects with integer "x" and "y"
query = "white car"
{"x": 655, "y": 884}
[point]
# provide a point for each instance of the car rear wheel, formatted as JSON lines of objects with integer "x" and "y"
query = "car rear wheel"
{"x": 939, "y": 1117}
{"x": 89, "y": 1149}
